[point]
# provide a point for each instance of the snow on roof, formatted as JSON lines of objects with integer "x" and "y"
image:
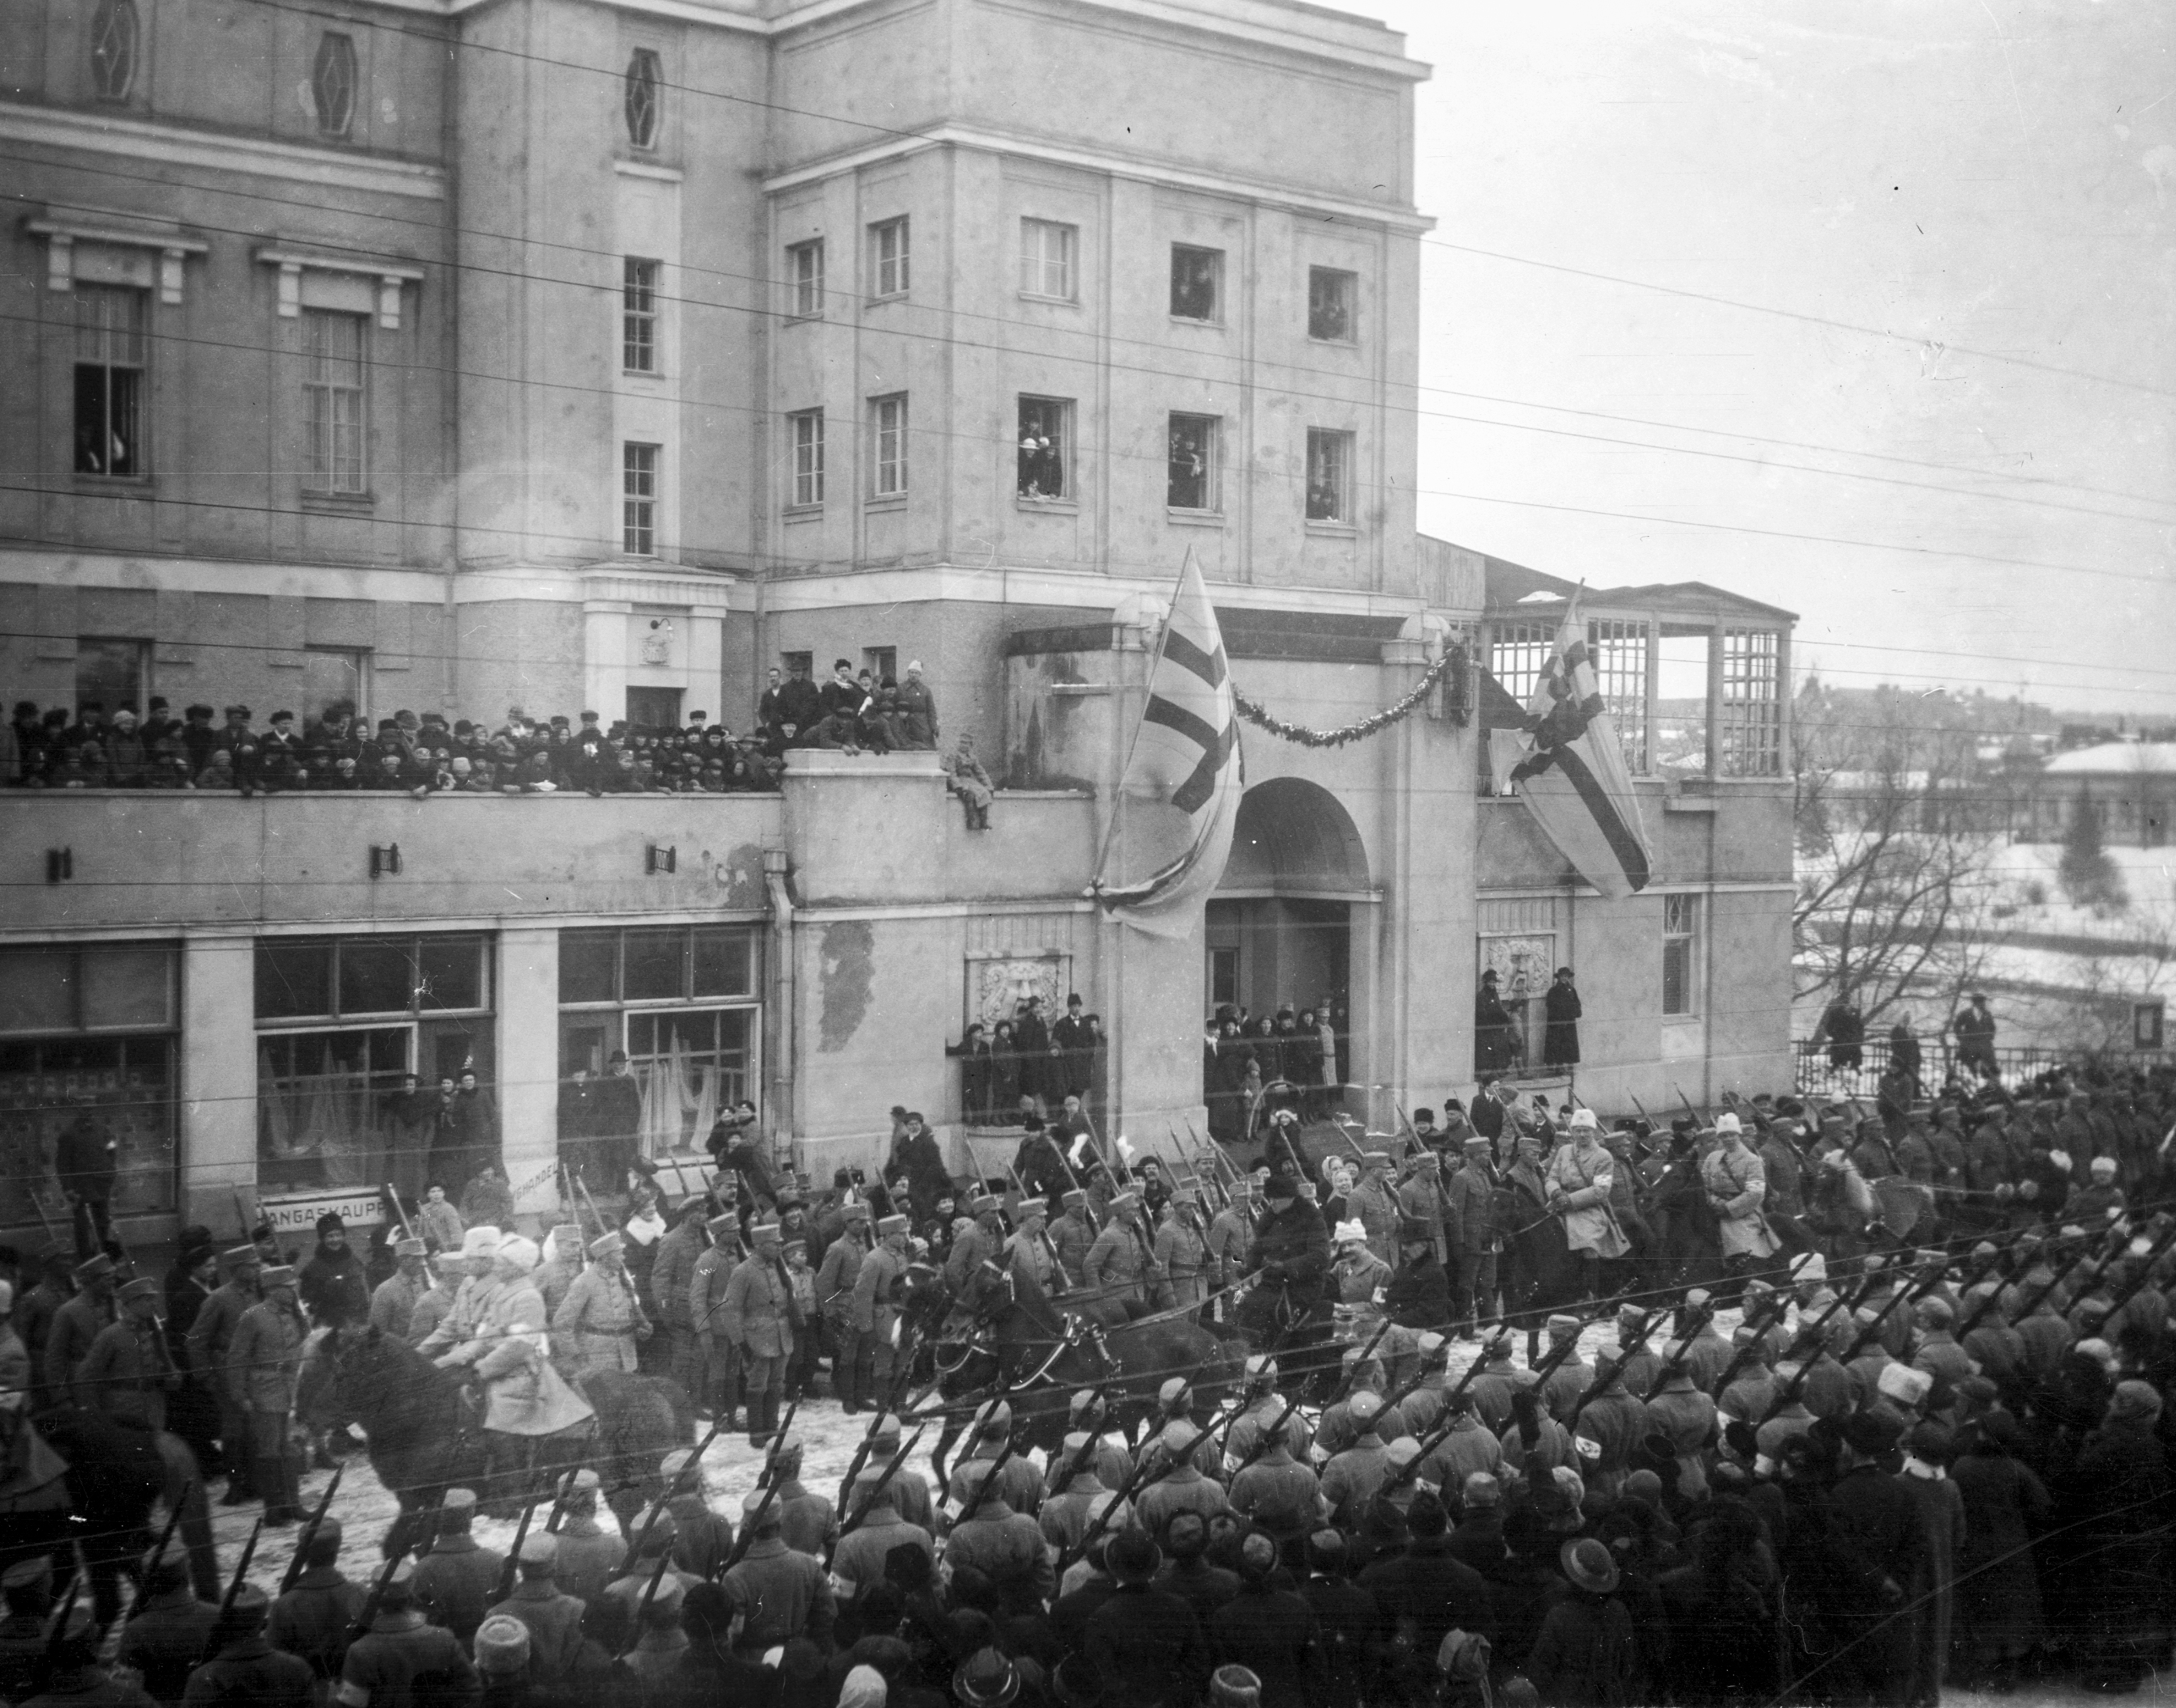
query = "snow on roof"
{"x": 2115, "y": 758}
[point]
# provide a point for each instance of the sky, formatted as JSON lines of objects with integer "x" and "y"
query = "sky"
{"x": 1865, "y": 311}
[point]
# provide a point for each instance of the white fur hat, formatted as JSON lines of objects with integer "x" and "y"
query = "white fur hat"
{"x": 480, "y": 1242}
{"x": 521, "y": 1253}
{"x": 1727, "y": 1123}
{"x": 1351, "y": 1233}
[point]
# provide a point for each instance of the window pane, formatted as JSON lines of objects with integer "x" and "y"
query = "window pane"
{"x": 588, "y": 967}
{"x": 126, "y": 985}
{"x": 449, "y": 971}
{"x": 331, "y": 679}
{"x": 1193, "y": 462}
{"x": 1044, "y": 432}
{"x": 1676, "y": 976}
{"x": 639, "y": 316}
{"x": 655, "y": 963}
{"x": 321, "y": 1106}
{"x": 37, "y": 990}
{"x": 1330, "y": 299}
{"x": 113, "y": 48}
{"x": 293, "y": 979}
{"x": 1328, "y": 475}
{"x": 376, "y": 977}
{"x": 109, "y": 674}
{"x": 644, "y": 97}
{"x": 721, "y": 962}
{"x": 332, "y": 83}
{"x": 1194, "y": 279}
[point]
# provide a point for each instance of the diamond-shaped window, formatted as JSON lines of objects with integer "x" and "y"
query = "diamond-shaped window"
{"x": 645, "y": 97}
{"x": 113, "y": 48}
{"x": 332, "y": 82}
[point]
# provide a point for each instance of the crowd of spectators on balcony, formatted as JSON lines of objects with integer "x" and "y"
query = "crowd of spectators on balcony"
{"x": 424, "y": 755}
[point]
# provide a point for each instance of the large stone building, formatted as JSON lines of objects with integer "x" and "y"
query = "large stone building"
{"x": 546, "y": 354}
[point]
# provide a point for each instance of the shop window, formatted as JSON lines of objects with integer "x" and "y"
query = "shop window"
{"x": 689, "y": 1064}
{"x": 327, "y": 1113}
{"x": 673, "y": 963}
{"x": 87, "y": 1055}
{"x": 310, "y": 978}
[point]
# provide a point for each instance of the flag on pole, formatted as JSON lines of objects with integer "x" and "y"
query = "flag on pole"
{"x": 1559, "y": 752}
{"x": 1171, "y": 824}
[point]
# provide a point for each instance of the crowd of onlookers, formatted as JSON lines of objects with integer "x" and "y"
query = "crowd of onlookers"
{"x": 426, "y": 755}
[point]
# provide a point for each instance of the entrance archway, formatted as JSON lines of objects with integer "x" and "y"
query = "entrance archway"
{"x": 1280, "y": 925}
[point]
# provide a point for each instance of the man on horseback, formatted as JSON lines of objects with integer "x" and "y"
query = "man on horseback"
{"x": 524, "y": 1396}
{"x": 1030, "y": 1255}
{"x": 1289, "y": 1262}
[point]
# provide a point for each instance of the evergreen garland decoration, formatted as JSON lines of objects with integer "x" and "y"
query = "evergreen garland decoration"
{"x": 1452, "y": 664}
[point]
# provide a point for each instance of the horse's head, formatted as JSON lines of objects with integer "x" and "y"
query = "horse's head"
{"x": 375, "y": 1377}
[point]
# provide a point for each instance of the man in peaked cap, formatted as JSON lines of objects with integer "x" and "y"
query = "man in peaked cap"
{"x": 561, "y": 1263}
{"x": 717, "y": 1368}
{"x": 244, "y": 1667}
{"x": 209, "y": 1335}
{"x": 399, "y": 1647}
{"x": 880, "y": 1289}
{"x": 129, "y": 1372}
{"x": 760, "y": 1320}
{"x": 859, "y": 1558}
{"x": 313, "y": 1618}
{"x": 1122, "y": 1263}
{"x": 164, "y": 1637}
{"x": 554, "y": 1617}
{"x": 79, "y": 1322}
{"x": 264, "y": 1363}
{"x": 1072, "y": 1233}
{"x": 393, "y": 1300}
{"x": 600, "y": 1320}
{"x": 780, "y": 1593}
{"x": 1002, "y": 1543}
{"x": 457, "y": 1579}
{"x": 589, "y": 1558}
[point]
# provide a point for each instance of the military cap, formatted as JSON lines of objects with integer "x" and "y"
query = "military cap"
{"x": 143, "y": 1288}
{"x": 409, "y": 1247}
{"x": 279, "y": 1275}
{"x": 608, "y": 1244}
{"x": 891, "y": 1225}
{"x": 93, "y": 1267}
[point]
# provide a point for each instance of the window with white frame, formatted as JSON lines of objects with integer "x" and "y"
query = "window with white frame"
{"x": 643, "y": 97}
{"x": 1618, "y": 648}
{"x": 113, "y": 35}
{"x": 807, "y": 430}
{"x": 1046, "y": 442}
{"x": 1190, "y": 479}
{"x": 333, "y": 353}
{"x": 1197, "y": 279}
{"x": 1328, "y": 475}
{"x": 804, "y": 278}
{"x": 1046, "y": 255}
{"x": 332, "y": 83}
{"x": 1681, "y": 922}
{"x": 637, "y": 315}
{"x": 888, "y": 445}
{"x": 888, "y": 257}
{"x": 1752, "y": 710}
{"x": 638, "y": 491}
{"x": 1516, "y": 652}
{"x": 110, "y": 356}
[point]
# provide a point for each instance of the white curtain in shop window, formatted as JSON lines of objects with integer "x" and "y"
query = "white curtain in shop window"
{"x": 327, "y": 1117}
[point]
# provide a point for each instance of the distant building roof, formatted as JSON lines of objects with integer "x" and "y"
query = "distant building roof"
{"x": 2115, "y": 759}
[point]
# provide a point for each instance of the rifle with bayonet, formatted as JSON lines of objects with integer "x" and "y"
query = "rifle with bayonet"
{"x": 1074, "y": 1463}
{"x": 1601, "y": 1384}
{"x": 297, "y": 1566}
{"x": 159, "y": 1548}
{"x": 671, "y": 1491}
{"x": 770, "y": 1481}
{"x": 242, "y": 1569}
{"x": 1744, "y": 1355}
{"x": 511, "y": 1569}
{"x": 1119, "y": 1497}
{"x": 869, "y": 1500}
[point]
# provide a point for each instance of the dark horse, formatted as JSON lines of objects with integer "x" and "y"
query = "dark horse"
{"x": 422, "y": 1439}
{"x": 115, "y": 1477}
{"x": 1539, "y": 1272}
{"x": 1007, "y": 1335}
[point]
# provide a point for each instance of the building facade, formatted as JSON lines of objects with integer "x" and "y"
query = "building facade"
{"x": 546, "y": 354}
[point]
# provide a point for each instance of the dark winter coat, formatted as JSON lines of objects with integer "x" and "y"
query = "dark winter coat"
{"x": 1585, "y": 1655}
{"x": 1560, "y": 1042}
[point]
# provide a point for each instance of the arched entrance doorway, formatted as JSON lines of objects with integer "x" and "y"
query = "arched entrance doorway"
{"x": 1280, "y": 925}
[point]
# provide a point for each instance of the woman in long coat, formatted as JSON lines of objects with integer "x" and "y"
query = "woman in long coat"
{"x": 1998, "y": 1618}
{"x": 1004, "y": 1075}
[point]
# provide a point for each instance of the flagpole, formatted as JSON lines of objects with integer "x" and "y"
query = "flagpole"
{"x": 1119, "y": 794}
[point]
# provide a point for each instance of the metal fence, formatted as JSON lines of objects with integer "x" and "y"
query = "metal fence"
{"x": 1830, "y": 1069}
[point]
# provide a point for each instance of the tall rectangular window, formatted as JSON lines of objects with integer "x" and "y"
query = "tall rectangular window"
{"x": 1752, "y": 712}
{"x": 1331, "y": 296}
{"x": 335, "y": 678}
{"x": 1680, "y": 954}
{"x": 1047, "y": 252}
{"x": 1197, "y": 278}
{"x": 881, "y": 661}
{"x": 109, "y": 380}
{"x": 638, "y": 489}
{"x": 638, "y": 316}
{"x": 1328, "y": 475}
{"x": 1619, "y": 648}
{"x": 1191, "y": 483}
{"x": 888, "y": 447}
{"x": 804, "y": 278}
{"x": 807, "y": 429}
{"x": 333, "y": 400}
{"x": 111, "y": 673}
{"x": 1045, "y": 440}
{"x": 888, "y": 268}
